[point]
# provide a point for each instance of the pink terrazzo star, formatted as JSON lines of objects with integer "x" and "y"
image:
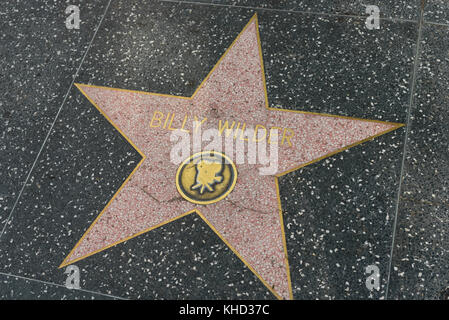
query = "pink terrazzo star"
{"x": 249, "y": 219}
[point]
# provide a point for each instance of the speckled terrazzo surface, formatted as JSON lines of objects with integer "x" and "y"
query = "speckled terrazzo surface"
{"x": 383, "y": 202}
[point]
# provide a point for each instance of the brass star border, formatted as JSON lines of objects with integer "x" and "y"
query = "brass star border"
{"x": 276, "y": 177}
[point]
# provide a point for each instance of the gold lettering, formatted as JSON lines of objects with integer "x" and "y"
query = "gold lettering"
{"x": 225, "y": 126}
{"x": 166, "y": 119}
{"x": 158, "y": 119}
{"x": 171, "y": 121}
{"x": 183, "y": 124}
{"x": 197, "y": 126}
{"x": 255, "y": 137}
{"x": 271, "y": 134}
{"x": 242, "y": 132}
{"x": 236, "y": 130}
{"x": 284, "y": 136}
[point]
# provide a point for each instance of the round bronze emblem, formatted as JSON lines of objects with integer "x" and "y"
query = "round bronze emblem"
{"x": 206, "y": 177}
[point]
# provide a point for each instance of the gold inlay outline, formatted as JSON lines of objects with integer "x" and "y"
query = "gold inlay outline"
{"x": 253, "y": 19}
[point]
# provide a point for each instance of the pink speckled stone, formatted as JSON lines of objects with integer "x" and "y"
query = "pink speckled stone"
{"x": 248, "y": 219}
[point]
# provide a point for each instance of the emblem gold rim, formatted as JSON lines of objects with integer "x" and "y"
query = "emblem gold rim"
{"x": 221, "y": 197}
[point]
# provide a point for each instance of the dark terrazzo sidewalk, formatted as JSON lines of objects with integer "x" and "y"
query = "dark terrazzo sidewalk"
{"x": 384, "y": 202}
